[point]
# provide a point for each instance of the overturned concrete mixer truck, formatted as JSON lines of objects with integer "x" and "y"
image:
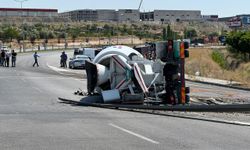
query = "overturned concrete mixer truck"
{"x": 121, "y": 74}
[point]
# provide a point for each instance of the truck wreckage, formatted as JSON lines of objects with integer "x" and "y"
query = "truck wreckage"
{"x": 121, "y": 77}
{"x": 121, "y": 74}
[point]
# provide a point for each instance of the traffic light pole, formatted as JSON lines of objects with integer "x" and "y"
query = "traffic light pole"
{"x": 182, "y": 74}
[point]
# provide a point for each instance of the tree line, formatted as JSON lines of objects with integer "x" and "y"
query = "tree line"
{"x": 239, "y": 43}
{"x": 62, "y": 32}
{"x": 38, "y": 32}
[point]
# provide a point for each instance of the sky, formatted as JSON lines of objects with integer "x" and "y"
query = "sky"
{"x": 223, "y": 8}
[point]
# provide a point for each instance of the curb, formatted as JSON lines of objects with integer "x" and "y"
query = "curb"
{"x": 227, "y": 86}
{"x": 214, "y": 120}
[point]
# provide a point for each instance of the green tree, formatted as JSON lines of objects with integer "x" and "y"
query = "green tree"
{"x": 239, "y": 43}
{"x": 164, "y": 34}
{"x": 51, "y": 35}
{"x": 190, "y": 33}
{"x": 10, "y": 33}
{"x": 169, "y": 32}
{"x": 33, "y": 39}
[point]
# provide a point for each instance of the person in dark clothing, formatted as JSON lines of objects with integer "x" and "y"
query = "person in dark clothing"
{"x": 2, "y": 58}
{"x": 63, "y": 61}
{"x": 36, "y": 59}
{"x": 7, "y": 59}
{"x": 13, "y": 58}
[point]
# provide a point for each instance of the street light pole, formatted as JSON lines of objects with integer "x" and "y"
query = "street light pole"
{"x": 118, "y": 20}
{"x": 117, "y": 30}
{"x": 21, "y": 4}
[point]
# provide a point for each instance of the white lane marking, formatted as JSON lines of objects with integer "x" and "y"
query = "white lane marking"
{"x": 39, "y": 90}
{"x": 135, "y": 134}
{"x": 57, "y": 69}
{"x": 24, "y": 80}
{"x": 61, "y": 71}
{"x": 80, "y": 79}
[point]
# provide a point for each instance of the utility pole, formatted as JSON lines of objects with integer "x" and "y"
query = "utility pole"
{"x": 117, "y": 30}
{"x": 21, "y": 6}
{"x": 117, "y": 25}
{"x": 65, "y": 35}
{"x": 21, "y": 2}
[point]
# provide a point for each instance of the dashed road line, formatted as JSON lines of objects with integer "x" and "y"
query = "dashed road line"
{"x": 135, "y": 134}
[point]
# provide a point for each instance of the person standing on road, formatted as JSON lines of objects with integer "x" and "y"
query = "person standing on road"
{"x": 64, "y": 58}
{"x": 36, "y": 59}
{"x": 2, "y": 58}
{"x": 13, "y": 58}
{"x": 7, "y": 59}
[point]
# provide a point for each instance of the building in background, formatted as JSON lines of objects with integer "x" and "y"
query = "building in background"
{"x": 102, "y": 15}
{"x": 132, "y": 15}
{"x": 237, "y": 21}
{"x": 128, "y": 15}
{"x": 147, "y": 16}
{"x": 210, "y": 17}
{"x": 176, "y": 15}
{"x": 245, "y": 19}
{"x": 106, "y": 15}
{"x": 170, "y": 15}
{"x": 28, "y": 12}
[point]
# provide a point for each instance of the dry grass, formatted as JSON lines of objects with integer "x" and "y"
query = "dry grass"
{"x": 200, "y": 60}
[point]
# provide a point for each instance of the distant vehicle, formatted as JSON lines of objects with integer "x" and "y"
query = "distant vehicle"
{"x": 200, "y": 45}
{"x": 197, "y": 45}
{"x": 78, "y": 61}
{"x": 77, "y": 51}
{"x": 222, "y": 39}
{"x": 5, "y": 48}
{"x": 91, "y": 52}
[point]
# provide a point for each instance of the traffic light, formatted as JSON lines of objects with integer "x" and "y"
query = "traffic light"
{"x": 186, "y": 47}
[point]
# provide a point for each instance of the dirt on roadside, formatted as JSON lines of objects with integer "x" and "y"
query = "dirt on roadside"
{"x": 200, "y": 60}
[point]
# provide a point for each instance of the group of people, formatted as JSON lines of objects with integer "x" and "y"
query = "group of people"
{"x": 63, "y": 61}
{"x": 5, "y": 58}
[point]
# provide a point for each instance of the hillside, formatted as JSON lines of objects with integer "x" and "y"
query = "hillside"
{"x": 200, "y": 61}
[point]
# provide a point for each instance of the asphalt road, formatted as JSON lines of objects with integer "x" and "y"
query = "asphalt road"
{"x": 31, "y": 117}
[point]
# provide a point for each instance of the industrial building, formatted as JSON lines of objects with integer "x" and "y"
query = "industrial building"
{"x": 102, "y": 15}
{"x": 90, "y": 15}
{"x": 176, "y": 15}
{"x": 28, "y": 12}
{"x": 210, "y": 17}
{"x": 171, "y": 15}
{"x": 237, "y": 21}
{"x": 132, "y": 15}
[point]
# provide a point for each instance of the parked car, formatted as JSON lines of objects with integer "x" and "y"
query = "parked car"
{"x": 78, "y": 61}
{"x": 5, "y": 48}
{"x": 197, "y": 45}
{"x": 78, "y": 51}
